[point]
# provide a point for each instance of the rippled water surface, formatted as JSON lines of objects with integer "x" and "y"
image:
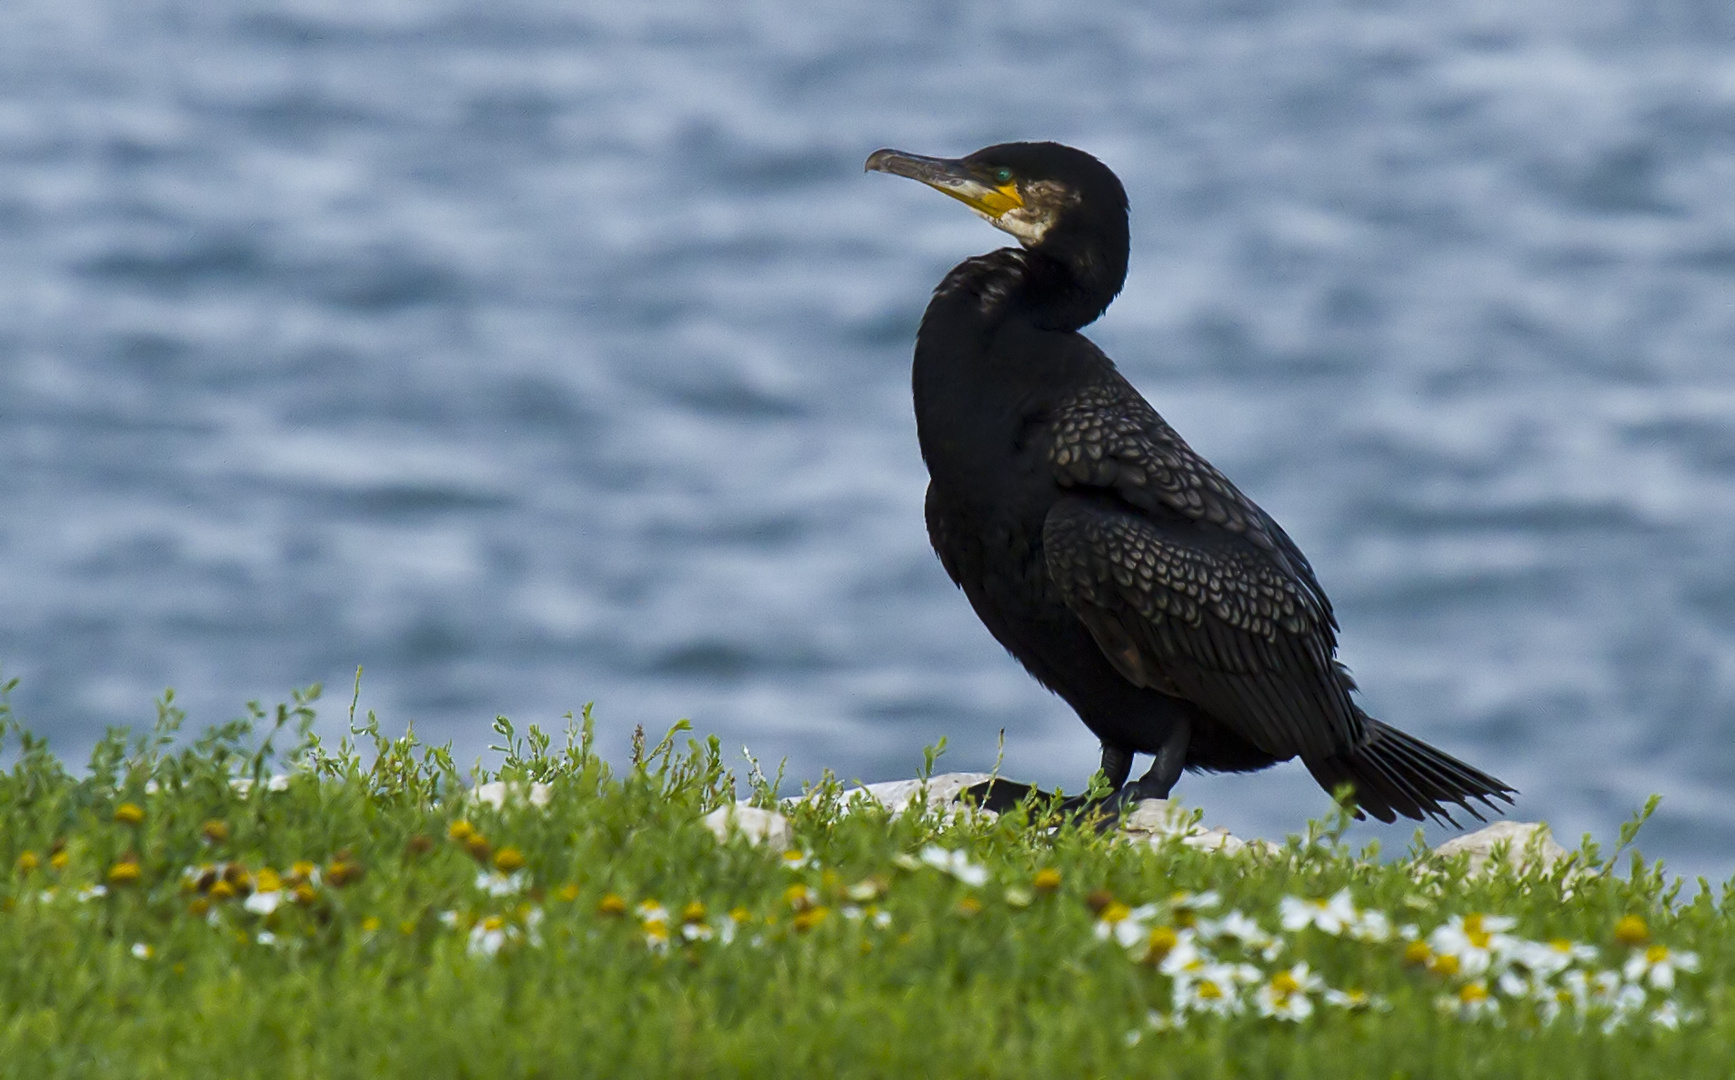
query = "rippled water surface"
{"x": 529, "y": 353}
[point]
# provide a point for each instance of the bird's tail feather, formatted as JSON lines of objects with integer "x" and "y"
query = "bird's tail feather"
{"x": 1394, "y": 773}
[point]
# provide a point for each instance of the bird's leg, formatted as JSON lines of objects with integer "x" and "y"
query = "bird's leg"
{"x": 1160, "y": 779}
{"x": 1001, "y": 795}
{"x": 1157, "y": 782}
{"x": 1117, "y": 762}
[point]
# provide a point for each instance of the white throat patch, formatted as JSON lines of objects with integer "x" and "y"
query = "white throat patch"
{"x": 1043, "y": 202}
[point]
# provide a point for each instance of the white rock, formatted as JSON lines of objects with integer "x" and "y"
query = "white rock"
{"x": 897, "y": 795}
{"x": 756, "y": 825}
{"x": 1527, "y": 844}
{"x": 1162, "y": 820}
{"x": 1161, "y": 817}
{"x": 1218, "y": 840}
{"x": 495, "y": 792}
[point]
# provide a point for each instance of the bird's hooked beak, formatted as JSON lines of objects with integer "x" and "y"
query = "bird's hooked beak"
{"x": 953, "y": 176}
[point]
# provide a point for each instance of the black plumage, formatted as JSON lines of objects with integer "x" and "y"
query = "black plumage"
{"x": 1118, "y": 566}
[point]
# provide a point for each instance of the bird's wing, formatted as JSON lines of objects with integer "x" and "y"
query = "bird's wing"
{"x": 1107, "y": 437}
{"x": 1207, "y": 616}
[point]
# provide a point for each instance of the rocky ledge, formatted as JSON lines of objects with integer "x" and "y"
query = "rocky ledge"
{"x": 1519, "y": 844}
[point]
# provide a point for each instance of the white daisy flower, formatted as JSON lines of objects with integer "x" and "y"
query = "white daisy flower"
{"x": 1657, "y": 965}
{"x": 1331, "y": 915}
{"x": 1127, "y": 927}
{"x": 1213, "y": 988}
{"x": 1472, "y": 940}
{"x": 1546, "y": 959}
{"x": 1354, "y": 1000}
{"x": 1372, "y": 926}
{"x": 1236, "y": 926}
{"x": 1184, "y": 959}
{"x": 1186, "y": 901}
{"x": 956, "y": 863}
{"x": 494, "y": 883}
{"x": 1472, "y": 1002}
{"x": 1671, "y": 1016}
{"x": 1287, "y": 995}
{"x": 1624, "y": 1004}
{"x": 489, "y": 936}
{"x": 1588, "y": 989}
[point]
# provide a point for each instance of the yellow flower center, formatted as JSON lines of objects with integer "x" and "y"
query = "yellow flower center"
{"x": 1476, "y": 932}
{"x": 1631, "y": 930}
{"x": 1446, "y": 965}
{"x": 128, "y": 814}
{"x": 494, "y": 922}
{"x": 1115, "y": 912}
{"x": 1283, "y": 984}
{"x": 693, "y": 912}
{"x": 611, "y": 905}
{"x": 1417, "y": 952}
{"x": 1046, "y": 880}
{"x": 1161, "y": 942}
{"x": 810, "y": 918}
{"x": 1656, "y": 954}
{"x": 1209, "y": 991}
{"x": 1472, "y": 993}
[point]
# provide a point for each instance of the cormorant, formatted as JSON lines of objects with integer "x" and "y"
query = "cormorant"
{"x": 1123, "y": 571}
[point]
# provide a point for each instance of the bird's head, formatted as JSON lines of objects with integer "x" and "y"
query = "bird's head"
{"x": 1033, "y": 190}
{"x": 1056, "y": 200}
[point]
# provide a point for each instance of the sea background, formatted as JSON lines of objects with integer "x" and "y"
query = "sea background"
{"x": 528, "y": 354}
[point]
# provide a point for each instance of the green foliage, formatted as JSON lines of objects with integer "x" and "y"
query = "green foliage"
{"x": 419, "y": 930}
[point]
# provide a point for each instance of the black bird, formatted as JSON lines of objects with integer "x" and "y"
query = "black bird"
{"x": 1118, "y": 566}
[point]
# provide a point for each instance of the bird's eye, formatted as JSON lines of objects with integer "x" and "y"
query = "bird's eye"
{"x": 1003, "y": 175}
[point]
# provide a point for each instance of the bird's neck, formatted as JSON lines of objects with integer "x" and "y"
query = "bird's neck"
{"x": 1064, "y": 289}
{"x": 988, "y": 359}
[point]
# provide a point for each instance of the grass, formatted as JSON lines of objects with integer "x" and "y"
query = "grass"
{"x": 171, "y": 911}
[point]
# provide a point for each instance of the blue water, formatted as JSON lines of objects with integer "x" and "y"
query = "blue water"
{"x": 532, "y": 353}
